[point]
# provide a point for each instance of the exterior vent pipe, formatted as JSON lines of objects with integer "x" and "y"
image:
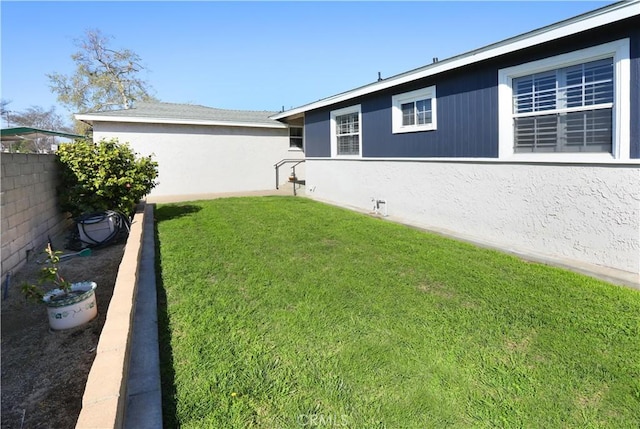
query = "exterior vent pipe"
{"x": 377, "y": 209}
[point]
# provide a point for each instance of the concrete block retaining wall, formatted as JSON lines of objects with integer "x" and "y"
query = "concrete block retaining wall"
{"x": 30, "y": 213}
{"x": 105, "y": 395}
{"x": 29, "y": 206}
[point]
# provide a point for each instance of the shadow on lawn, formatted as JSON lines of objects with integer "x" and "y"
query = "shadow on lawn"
{"x": 170, "y": 211}
{"x": 167, "y": 373}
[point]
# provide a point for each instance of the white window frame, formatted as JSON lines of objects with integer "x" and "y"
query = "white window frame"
{"x": 334, "y": 137}
{"x": 411, "y": 97}
{"x": 296, "y": 148}
{"x": 619, "y": 51}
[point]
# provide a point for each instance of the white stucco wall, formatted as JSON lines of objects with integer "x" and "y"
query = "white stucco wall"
{"x": 200, "y": 160}
{"x": 588, "y": 214}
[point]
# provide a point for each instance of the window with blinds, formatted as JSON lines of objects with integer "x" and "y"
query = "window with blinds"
{"x": 568, "y": 109}
{"x": 348, "y": 134}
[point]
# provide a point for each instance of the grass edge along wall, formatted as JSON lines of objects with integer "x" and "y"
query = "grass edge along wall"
{"x": 581, "y": 208}
{"x": 278, "y": 310}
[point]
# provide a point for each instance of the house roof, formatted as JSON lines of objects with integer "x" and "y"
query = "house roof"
{"x": 596, "y": 18}
{"x": 187, "y": 114}
{"x": 29, "y": 133}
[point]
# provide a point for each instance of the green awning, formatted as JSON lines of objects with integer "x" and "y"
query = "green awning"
{"x": 27, "y": 133}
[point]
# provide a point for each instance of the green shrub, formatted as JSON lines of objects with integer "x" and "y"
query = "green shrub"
{"x": 106, "y": 175}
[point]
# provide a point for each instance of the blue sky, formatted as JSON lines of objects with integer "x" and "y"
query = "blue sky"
{"x": 257, "y": 55}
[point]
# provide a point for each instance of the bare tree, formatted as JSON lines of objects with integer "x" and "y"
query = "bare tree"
{"x": 37, "y": 117}
{"x": 5, "y": 113}
{"x": 104, "y": 79}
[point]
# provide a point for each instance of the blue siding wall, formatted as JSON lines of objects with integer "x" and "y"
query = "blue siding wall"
{"x": 467, "y": 105}
{"x": 635, "y": 92}
{"x": 467, "y": 123}
{"x": 317, "y": 138}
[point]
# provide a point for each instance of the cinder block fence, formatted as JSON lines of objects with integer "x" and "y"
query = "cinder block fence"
{"x": 29, "y": 206}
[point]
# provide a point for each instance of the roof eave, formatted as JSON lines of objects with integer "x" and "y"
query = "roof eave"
{"x": 590, "y": 20}
{"x": 90, "y": 118}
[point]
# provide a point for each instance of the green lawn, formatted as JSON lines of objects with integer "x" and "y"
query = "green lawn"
{"x": 281, "y": 312}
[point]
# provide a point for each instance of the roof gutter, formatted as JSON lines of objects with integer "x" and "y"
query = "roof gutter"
{"x": 90, "y": 119}
{"x": 587, "y": 21}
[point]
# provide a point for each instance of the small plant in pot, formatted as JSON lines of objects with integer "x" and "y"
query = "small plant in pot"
{"x": 68, "y": 304}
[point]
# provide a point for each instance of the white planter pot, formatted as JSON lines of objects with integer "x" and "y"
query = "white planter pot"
{"x": 74, "y": 310}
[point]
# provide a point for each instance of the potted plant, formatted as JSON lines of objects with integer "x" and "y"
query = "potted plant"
{"x": 68, "y": 304}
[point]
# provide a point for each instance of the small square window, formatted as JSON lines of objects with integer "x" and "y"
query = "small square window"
{"x": 296, "y": 139}
{"x": 414, "y": 111}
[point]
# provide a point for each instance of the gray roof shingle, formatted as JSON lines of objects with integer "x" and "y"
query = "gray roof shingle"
{"x": 187, "y": 112}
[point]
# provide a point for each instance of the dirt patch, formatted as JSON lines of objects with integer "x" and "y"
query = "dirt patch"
{"x": 437, "y": 289}
{"x": 44, "y": 372}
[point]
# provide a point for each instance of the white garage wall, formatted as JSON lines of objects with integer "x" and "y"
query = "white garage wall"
{"x": 589, "y": 214}
{"x": 195, "y": 160}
